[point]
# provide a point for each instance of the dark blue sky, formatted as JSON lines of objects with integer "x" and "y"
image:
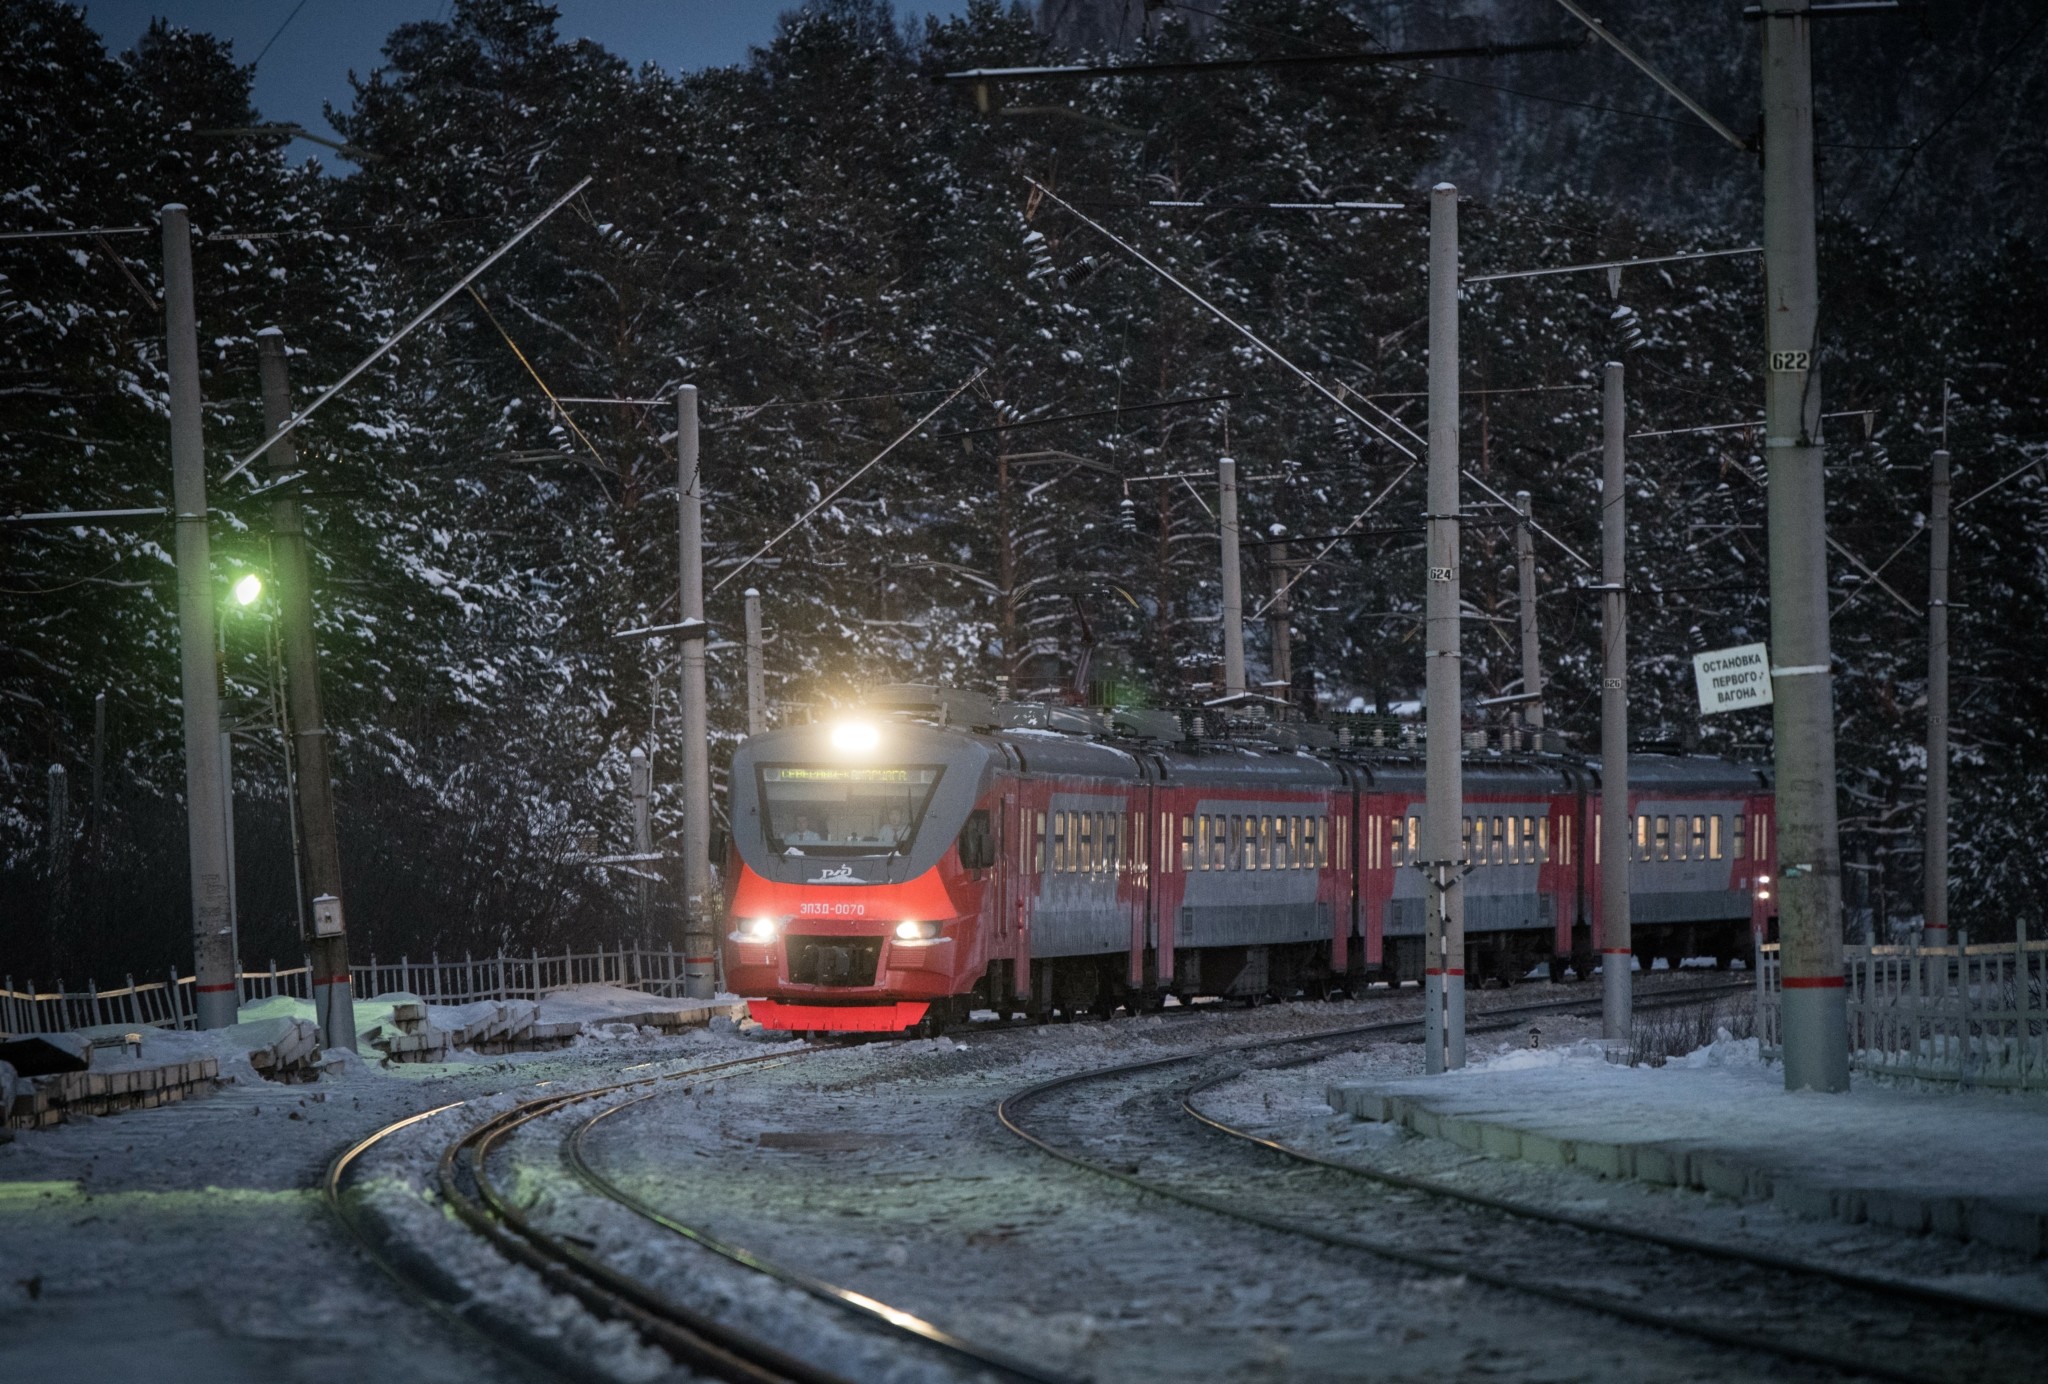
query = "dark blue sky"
{"x": 310, "y": 60}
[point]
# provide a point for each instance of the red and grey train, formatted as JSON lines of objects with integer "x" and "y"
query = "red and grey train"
{"x": 937, "y": 854}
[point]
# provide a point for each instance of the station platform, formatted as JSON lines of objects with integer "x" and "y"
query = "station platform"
{"x": 1963, "y": 1164}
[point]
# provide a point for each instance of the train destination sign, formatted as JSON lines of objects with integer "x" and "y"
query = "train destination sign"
{"x": 1731, "y": 679}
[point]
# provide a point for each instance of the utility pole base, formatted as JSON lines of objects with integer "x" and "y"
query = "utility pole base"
{"x": 1815, "y": 1034}
{"x": 217, "y": 1007}
{"x": 334, "y": 1009}
{"x": 1617, "y": 994}
{"x": 1443, "y": 997}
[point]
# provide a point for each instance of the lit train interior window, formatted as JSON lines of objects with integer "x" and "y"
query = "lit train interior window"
{"x": 1414, "y": 838}
{"x": 1397, "y": 855}
{"x": 1598, "y": 837}
{"x": 1219, "y": 841}
{"x": 1699, "y": 838}
{"x": 1113, "y": 825}
{"x": 1247, "y": 854}
{"x": 1542, "y": 839}
{"x": 1763, "y": 837}
{"x": 1059, "y": 843}
{"x": 1714, "y": 837}
{"x": 1187, "y": 843}
{"x": 1040, "y": 859}
{"x": 1663, "y": 837}
{"x": 1500, "y": 843}
{"x": 1311, "y": 833}
{"x": 1465, "y": 839}
{"x": 817, "y": 809}
{"x": 1642, "y": 838}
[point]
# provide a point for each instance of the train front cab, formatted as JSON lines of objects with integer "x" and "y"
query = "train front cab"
{"x": 863, "y": 855}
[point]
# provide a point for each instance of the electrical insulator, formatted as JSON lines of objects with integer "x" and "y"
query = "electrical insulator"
{"x": 1127, "y": 515}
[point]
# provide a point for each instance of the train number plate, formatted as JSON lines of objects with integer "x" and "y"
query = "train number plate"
{"x": 827, "y": 909}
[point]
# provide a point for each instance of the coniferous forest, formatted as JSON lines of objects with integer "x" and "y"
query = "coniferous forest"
{"x": 827, "y": 242}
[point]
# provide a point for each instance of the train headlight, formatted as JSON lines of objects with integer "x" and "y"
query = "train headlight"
{"x": 916, "y": 932}
{"x": 1763, "y": 879}
{"x": 1763, "y": 893}
{"x": 855, "y": 737}
{"x": 760, "y": 929}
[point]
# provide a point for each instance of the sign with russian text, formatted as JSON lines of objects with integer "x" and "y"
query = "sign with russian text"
{"x": 1731, "y": 679}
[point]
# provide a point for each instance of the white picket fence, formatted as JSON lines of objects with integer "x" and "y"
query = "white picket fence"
{"x": 168, "y": 1003}
{"x": 1971, "y": 1014}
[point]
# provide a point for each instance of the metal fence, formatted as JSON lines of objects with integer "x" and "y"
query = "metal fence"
{"x": 1971, "y": 1014}
{"x": 168, "y": 1003}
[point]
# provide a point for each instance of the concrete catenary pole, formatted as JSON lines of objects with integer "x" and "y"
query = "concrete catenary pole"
{"x": 640, "y": 784}
{"x": 1443, "y": 965}
{"x": 1935, "y": 933}
{"x": 1525, "y": 581}
{"x": 1280, "y": 617}
{"x": 291, "y": 573}
{"x": 1617, "y": 948}
{"x": 757, "y": 688}
{"x": 699, "y": 960}
{"x": 227, "y": 836}
{"x": 215, "y": 1000}
{"x": 1816, "y": 1037}
{"x": 1233, "y": 579}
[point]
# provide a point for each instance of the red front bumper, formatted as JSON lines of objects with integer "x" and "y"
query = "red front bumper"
{"x": 836, "y": 1018}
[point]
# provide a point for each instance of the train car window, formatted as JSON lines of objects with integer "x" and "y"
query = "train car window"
{"x": 1113, "y": 843}
{"x": 1763, "y": 837}
{"x": 977, "y": 841}
{"x": 1678, "y": 838}
{"x": 1086, "y": 840}
{"x": 1414, "y": 839}
{"x": 1514, "y": 841}
{"x": 1528, "y": 856}
{"x": 1500, "y": 843}
{"x": 1187, "y": 843}
{"x": 1598, "y": 837}
{"x": 1266, "y": 835}
{"x": 1663, "y": 837}
{"x": 1040, "y": 860}
{"x": 1311, "y": 833}
{"x": 1465, "y": 839}
{"x": 1059, "y": 843}
{"x": 1246, "y": 856}
{"x": 1323, "y": 839}
{"x": 1736, "y": 822}
{"x": 1699, "y": 838}
{"x": 1202, "y": 841}
{"x": 1642, "y": 838}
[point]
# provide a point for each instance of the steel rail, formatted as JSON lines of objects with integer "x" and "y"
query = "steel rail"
{"x": 694, "y": 1339}
{"x": 1009, "y": 1109}
{"x": 1873, "y": 1283}
{"x": 697, "y": 1341}
{"x": 865, "y": 1308}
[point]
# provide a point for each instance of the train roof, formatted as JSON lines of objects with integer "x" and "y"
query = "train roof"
{"x": 1156, "y": 745}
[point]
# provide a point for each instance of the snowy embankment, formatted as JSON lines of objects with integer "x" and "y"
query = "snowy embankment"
{"x": 1645, "y": 1145}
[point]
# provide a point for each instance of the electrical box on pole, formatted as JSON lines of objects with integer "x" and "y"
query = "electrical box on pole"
{"x": 1443, "y": 964}
{"x": 333, "y": 983}
{"x": 1814, "y": 1006}
{"x": 216, "y": 996}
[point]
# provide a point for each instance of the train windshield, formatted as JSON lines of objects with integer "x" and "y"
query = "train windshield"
{"x": 817, "y": 809}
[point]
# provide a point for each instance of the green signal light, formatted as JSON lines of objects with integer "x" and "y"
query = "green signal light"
{"x": 248, "y": 589}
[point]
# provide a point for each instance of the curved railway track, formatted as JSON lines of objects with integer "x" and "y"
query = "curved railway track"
{"x": 1749, "y": 1301}
{"x": 692, "y": 1338}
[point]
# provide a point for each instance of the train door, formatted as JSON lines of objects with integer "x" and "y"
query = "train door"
{"x": 1018, "y": 877}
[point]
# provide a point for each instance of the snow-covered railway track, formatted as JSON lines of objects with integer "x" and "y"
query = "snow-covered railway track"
{"x": 474, "y": 1175}
{"x": 464, "y": 1183}
{"x": 1115, "y": 1121}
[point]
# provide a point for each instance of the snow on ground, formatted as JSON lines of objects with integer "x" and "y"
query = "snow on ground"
{"x": 190, "y": 1242}
{"x": 1723, "y": 1092}
{"x": 190, "y": 1239}
{"x": 883, "y": 1168}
